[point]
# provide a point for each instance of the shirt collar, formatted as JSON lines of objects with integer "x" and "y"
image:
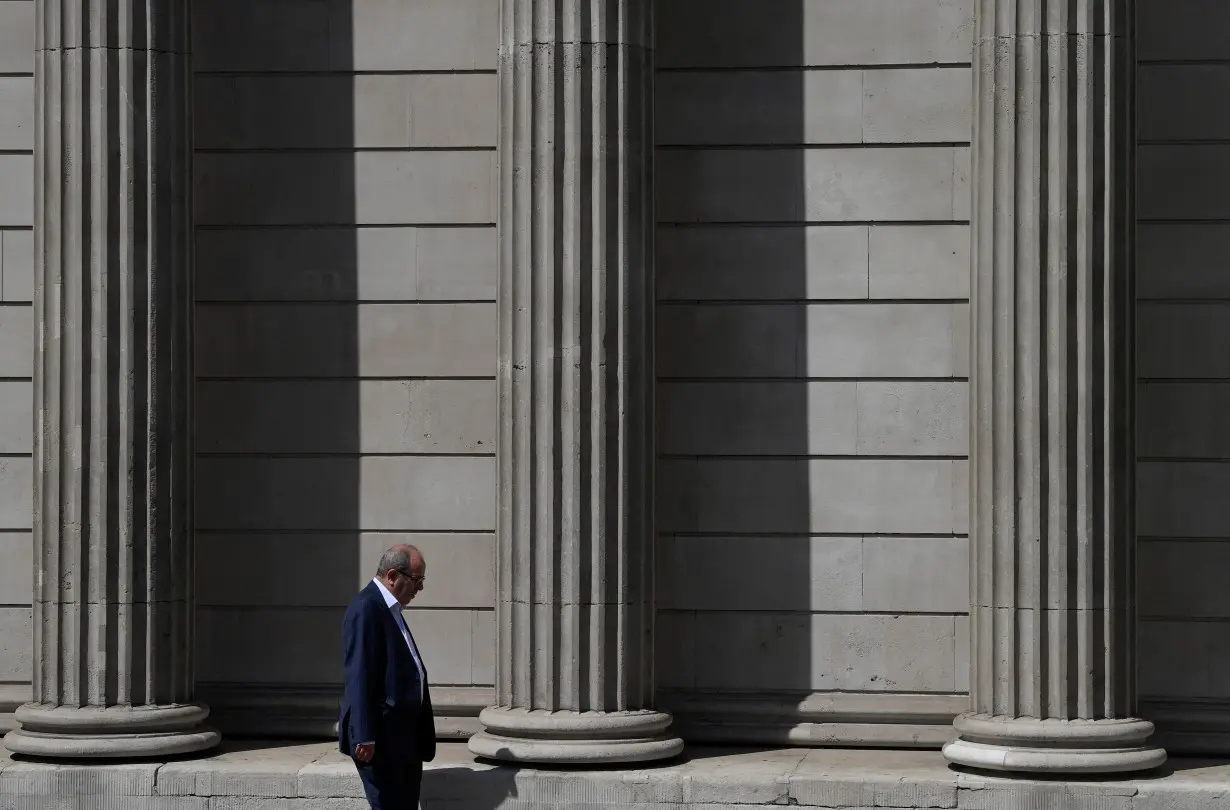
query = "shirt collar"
{"x": 389, "y": 598}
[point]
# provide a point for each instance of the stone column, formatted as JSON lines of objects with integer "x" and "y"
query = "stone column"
{"x": 1052, "y": 545}
{"x": 574, "y": 667}
{"x": 113, "y": 612}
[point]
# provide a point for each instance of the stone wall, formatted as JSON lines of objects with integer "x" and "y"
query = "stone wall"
{"x": 345, "y": 191}
{"x": 16, "y": 349}
{"x": 813, "y": 255}
{"x": 1183, "y": 286}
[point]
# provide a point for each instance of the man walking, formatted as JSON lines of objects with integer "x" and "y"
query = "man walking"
{"x": 386, "y": 725}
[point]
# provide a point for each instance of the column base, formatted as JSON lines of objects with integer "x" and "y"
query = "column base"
{"x": 574, "y": 738}
{"x": 1030, "y": 745}
{"x": 111, "y": 732}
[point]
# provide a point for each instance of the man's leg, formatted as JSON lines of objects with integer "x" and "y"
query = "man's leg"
{"x": 388, "y": 787}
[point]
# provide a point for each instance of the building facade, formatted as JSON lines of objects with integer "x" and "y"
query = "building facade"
{"x": 841, "y": 372}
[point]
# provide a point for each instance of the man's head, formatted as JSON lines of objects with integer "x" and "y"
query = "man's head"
{"x": 403, "y": 571}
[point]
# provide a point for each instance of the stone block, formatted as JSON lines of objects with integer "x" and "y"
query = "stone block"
{"x": 1202, "y": 647}
{"x": 1188, "y": 30}
{"x": 1174, "y": 338}
{"x": 1183, "y": 181}
{"x": 16, "y": 650}
{"x": 17, "y": 36}
{"x": 962, "y": 191}
{"x": 235, "y": 645}
{"x": 16, "y": 340}
{"x": 824, "y": 651}
{"x": 341, "y": 340}
{"x": 16, "y": 190}
{"x": 1002, "y": 795}
{"x": 342, "y": 416}
{"x": 1179, "y": 419}
{"x": 919, "y": 261}
{"x": 299, "y": 803}
{"x": 1182, "y": 260}
{"x": 886, "y": 340}
{"x": 806, "y": 185}
{"x": 761, "y": 779}
{"x": 482, "y": 645}
{"x": 16, "y": 417}
{"x": 919, "y": 105}
{"x": 737, "y": 33}
{"x": 289, "y": 35}
{"x": 820, "y": 340}
{"x": 758, "y": 107}
{"x": 16, "y": 492}
{"x": 16, "y": 568}
{"x": 830, "y": 496}
{"x": 16, "y": 266}
{"x": 1182, "y": 499}
{"x": 446, "y": 641}
{"x": 334, "y": 264}
{"x": 912, "y": 418}
{"x": 372, "y": 493}
{"x": 963, "y": 653}
{"x": 756, "y": 418}
{"x": 784, "y": 574}
{"x": 1183, "y": 102}
{"x": 461, "y": 568}
{"x": 365, "y": 111}
{"x": 674, "y": 652}
{"x": 328, "y": 188}
{"x": 1180, "y": 579}
{"x": 915, "y": 574}
{"x": 16, "y": 110}
{"x": 754, "y": 263}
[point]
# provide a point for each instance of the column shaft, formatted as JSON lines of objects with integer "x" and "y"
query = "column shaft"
{"x": 113, "y": 609}
{"x": 574, "y": 672}
{"x": 1052, "y": 570}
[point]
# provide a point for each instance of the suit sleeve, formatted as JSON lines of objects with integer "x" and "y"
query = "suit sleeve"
{"x": 364, "y": 662}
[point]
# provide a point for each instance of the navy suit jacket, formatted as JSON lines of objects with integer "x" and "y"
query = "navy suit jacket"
{"x": 382, "y": 702}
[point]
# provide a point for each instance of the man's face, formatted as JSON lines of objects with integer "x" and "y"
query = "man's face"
{"x": 406, "y": 584}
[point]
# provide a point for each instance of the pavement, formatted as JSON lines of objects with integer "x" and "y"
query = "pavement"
{"x": 281, "y": 775}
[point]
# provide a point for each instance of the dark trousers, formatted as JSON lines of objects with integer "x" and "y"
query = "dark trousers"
{"x": 391, "y": 785}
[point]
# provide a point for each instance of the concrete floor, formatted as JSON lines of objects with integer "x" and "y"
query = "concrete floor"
{"x": 313, "y": 776}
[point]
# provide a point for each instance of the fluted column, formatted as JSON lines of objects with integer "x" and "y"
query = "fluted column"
{"x": 574, "y": 667}
{"x": 113, "y": 385}
{"x": 1052, "y": 684}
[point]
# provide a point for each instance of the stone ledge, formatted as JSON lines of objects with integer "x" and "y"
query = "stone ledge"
{"x": 314, "y": 776}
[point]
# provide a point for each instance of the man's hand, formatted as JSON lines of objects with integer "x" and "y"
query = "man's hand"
{"x": 365, "y": 752}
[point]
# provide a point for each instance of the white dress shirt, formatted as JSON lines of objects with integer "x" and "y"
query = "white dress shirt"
{"x": 396, "y": 607}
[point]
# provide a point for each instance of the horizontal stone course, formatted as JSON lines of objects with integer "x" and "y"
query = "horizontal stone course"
{"x": 799, "y": 418}
{"x": 461, "y": 568}
{"x": 345, "y": 264}
{"x": 344, "y": 340}
{"x": 458, "y": 645}
{"x": 813, "y": 107}
{"x": 342, "y": 416}
{"x": 841, "y": 496}
{"x": 917, "y": 183}
{"x": 738, "y": 33}
{"x": 289, "y": 35}
{"x": 822, "y": 340}
{"x": 361, "y": 111}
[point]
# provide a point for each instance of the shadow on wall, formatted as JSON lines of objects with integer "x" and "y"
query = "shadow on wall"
{"x": 277, "y": 417}
{"x": 1183, "y": 372}
{"x": 735, "y": 410}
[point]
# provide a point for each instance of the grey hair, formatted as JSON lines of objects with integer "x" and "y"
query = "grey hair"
{"x": 396, "y": 558}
